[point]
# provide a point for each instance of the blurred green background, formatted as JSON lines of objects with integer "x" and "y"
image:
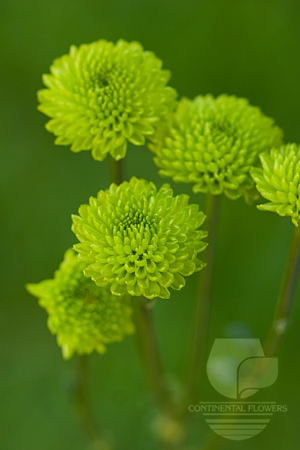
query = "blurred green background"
{"x": 249, "y": 48}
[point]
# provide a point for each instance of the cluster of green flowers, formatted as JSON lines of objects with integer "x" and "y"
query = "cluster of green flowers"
{"x": 279, "y": 181}
{"x": 135, "y": 240}
{"x": 83, "y": 316}
{"x": 102, "y": 95}
{"x": 213, "y": 143}
{"x": 139, "y": 240}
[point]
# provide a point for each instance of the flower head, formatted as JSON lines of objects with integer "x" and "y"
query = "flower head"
{"x": 212, "y": 143}
{"x": 279, "y": 181}
{"x": 139, "y": 240}
{"x": 84, "y": 316}
{"x": 102, "y": 95}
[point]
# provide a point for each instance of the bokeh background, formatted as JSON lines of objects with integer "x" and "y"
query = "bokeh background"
{"x": 249, "y": 48}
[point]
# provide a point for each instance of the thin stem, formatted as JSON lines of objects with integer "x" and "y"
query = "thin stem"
{"x": 81, "y": 394}
{"x": 285, "y": 300}
{"x": 199, "y": 348}
{"x": 150, "y": 354}
{"x": 151, "y": 359}
{"x": 280, "y": 322}
{"x": 116, "y": 170}
{"x": 84, "y": 409}
{"x": 148, "y": 344}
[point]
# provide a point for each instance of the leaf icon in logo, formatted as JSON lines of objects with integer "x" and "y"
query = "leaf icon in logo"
{"x": 255, "y": 373}
{"x": 237, "y": 368}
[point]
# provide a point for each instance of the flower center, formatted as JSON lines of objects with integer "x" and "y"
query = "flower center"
{"x": 134, "y": 229}
{"x": 134, "y": 221}
{"x": 223, "y": 129}
{"x": 100, "y": 80}
{"x": 109, "y": 98}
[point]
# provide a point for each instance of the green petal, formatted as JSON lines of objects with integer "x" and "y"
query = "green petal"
{"x": 179, "y": 282}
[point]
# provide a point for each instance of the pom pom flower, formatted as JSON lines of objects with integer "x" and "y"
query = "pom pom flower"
{"x": 279, "y": 181}
{"x": 102, "y": 95}
{"x": 83, "y": 316}
{"x": 139, "y": 240}
{"x": 212, "y": 143}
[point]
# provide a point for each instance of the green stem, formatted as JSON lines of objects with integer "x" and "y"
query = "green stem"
{"x": 148, "y": 345}
{"x": 150, "y": 354}
{"x": 199, "y": 348}
{"x": 170, "y": 431}
{"x": 84, "y": 409}
{"x": 285, "y": 300}
{"x": 116, "y": 170}
{"x": 147, "y": 339}
{"x": 81, "y": 395}
{"x": 281, "y": 318}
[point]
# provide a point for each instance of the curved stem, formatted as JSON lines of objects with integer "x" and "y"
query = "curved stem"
{"x": 199, "y": 347}
{"x": 285, "y": 300}
{"x": 116, "y": 170}
{"x": 84, "y": 409}
{"x": 150, "y": 354}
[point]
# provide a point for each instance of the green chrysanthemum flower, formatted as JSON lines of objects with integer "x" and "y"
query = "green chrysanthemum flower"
{"x": 84, "y": 316}
{"x": 279, "y": 181}
{"x": 139, "y": 240}
{"x": 212, "y": 143}
{"x": 102, "y": 95}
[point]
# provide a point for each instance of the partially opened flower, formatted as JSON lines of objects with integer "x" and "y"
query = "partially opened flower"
{"x": 279, "y": 181}
{"x": 213, "y": 143}
{"x": 102, "y": 95}
{"x": 139, "y": 240}
{"x": 83, "y": 316}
